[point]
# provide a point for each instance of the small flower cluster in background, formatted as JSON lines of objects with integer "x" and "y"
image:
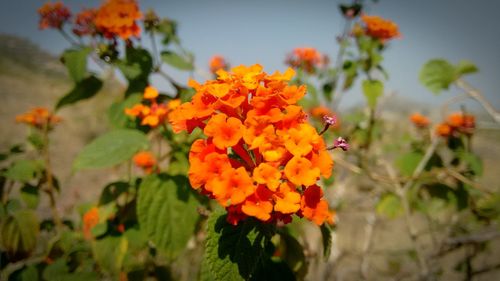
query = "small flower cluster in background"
{"x": 39, "y": 117}
{"x": 307, "y": 58}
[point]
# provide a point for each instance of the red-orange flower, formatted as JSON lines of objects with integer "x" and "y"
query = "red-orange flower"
{"x": 218, "y": 62}
{"x": 53, "y": 15}
{"x": 314, "y": 207}
{"x": 145, "y": 160}
{"x": 260, "y": 153}
{"x": 118, "y": 18}
{"x": 90, "y": 219}
{"x": 84, "y": 23}
{"x": 419, "y": 120}
{"x": 457, "y": 123}
{"x": 154, "y": 114}
{"x": 380, "y": 28}
{"x": 307, "y": 58}
{"x": 39, "y": 117}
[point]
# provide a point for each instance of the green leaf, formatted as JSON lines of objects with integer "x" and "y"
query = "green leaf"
{"x": 112, "y": 191}
{"x": 408, "y": 162}
{"x": 18, "y": 234}
{"x": 326, "y": 237}
{"x": 76, "y": 63}
{"x": 56, "y": 271}
{"x": 111, "y": 149}
{"x": 167, "y": 213}
{"x": 437, "y": 75}
{"x": 389, "y": 205}
{"x": 177, "y": 61}
{"x": 473, "y": 162}
{"x": 233, "y": 252}
{"x": 84, "y": 89}
{"x": 292, "y": 254}
{"x": 24, "y": 170}
{"x": 30, "y": 273}
{"x": 29, "y": 194}
{"x": 136, "y": 69}
{"x": 465, "y": 67}
{"x": 116, "y": 112}
{"x": 372, "y": 90}
{"x": 110, "y": 252}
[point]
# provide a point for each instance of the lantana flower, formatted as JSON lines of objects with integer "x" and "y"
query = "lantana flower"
{"x": 39, "y": 117}
{"x": 84, "y": 23}
{"x": 90, "y": 219}
{"x": 377, "y": 27}
{"x": 145, "y": 160}
{"x": 152, "y": 113}
{"x": 260, "y": 156}
{"x": 307, "y": 58}
{"x": 218, "y": 62}
{"x": 119, "y": 18}
{"x": 53, "y": 15}
{"x": 419, "y": 120}
{"x": 457, "y": 123}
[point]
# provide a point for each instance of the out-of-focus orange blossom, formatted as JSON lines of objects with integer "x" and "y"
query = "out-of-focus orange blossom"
{"x": 380, "y": 28}
{"x": 145, "y": 160}
{"x": 118, "y": 18}
{"x": 307, "y": 58}
{"x": 419, "y": 120}
{"x": 152, "y": 114}
{"x": 39, "y": 117}
{"x": 53, "y": 15}
{"x": 218, "y": 62}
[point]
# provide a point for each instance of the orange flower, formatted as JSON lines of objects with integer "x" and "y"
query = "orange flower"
{"x": 260, "y": 153}
{"x": 154, "y": 114}
{"x": 419, "y": 120}
{"x": 443, "y": 130}
{"x": 145, "y": 160}
{"x": 84, "y": 23}
{"x": 226, "y": 132}
{"x": 457, "y": 123}
{"x": 118, "y": 18}
{"x": 218, "y": 62}
{"x": 380, "y": 28}
{"x": 53, "y": 15}
{"x": 90, "y": 219}
{"x": 315, "y": 208}
{"x": 307, "y": 58}
{"x": 320, "y": 111}
{"x": 39, "y": 117}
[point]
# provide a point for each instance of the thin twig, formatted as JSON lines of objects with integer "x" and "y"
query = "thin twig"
{"x": 478, "y": 96}
{"x": 465, "y": 180}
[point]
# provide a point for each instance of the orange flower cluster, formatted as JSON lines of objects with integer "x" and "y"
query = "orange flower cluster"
{"x": 218, "y": 62}
{"x": 419, "y": 120}
{"x": 380, "y": 28}
{"x": 153, "y": 114}
{"x": 53, "y": 15}
{"x": 39, "y": 117}
{"x": 261, "y": 158}
{"x": 457, "y": 123}
{"x": 118, "y": 18}
{"x": 90, "y": 219}
{"x": 145, "y": 160}
{"x": 307, "y": 58}
{"x": 84, "y": 23}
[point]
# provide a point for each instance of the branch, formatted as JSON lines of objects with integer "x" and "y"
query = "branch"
{"x": 478, "y": 96}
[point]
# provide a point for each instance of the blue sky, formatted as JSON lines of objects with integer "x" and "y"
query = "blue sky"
{"x": 260, "y": 31}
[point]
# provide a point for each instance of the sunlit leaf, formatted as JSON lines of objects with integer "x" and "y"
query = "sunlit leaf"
{"x": 176, "y": 60}
{"x": 84, "y": 89}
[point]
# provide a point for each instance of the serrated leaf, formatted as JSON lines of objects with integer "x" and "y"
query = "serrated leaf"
{"x": 389, "y": 205}
{"x": 84, "y": 89}
{"x": 30, "y": 195}
{"x": 76, "y": 63}
{"x": 465, "y": 67}
{"x": 233, "y": 252}
{"x": 23, "y": 170}
{"x": 166, "y": 210}
{"x": 111, "y": 149}
{"x": 408, "y": 162}
{"x": 372, "y": 89}
{"x": 437, "y": 75}
{"x": 326, "y": 237}
{"x": 176, "y": 60}
{"x": 18, "y": 234}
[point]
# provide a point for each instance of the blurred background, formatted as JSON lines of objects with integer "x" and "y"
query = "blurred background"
{"x": 247, "y": 32}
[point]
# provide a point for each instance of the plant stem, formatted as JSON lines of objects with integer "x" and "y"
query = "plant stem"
{"x": 478, "y": 96}
{"x": 50, "y": 179}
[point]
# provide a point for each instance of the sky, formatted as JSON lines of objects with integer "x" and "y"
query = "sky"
{"x": 264, "y": 31}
